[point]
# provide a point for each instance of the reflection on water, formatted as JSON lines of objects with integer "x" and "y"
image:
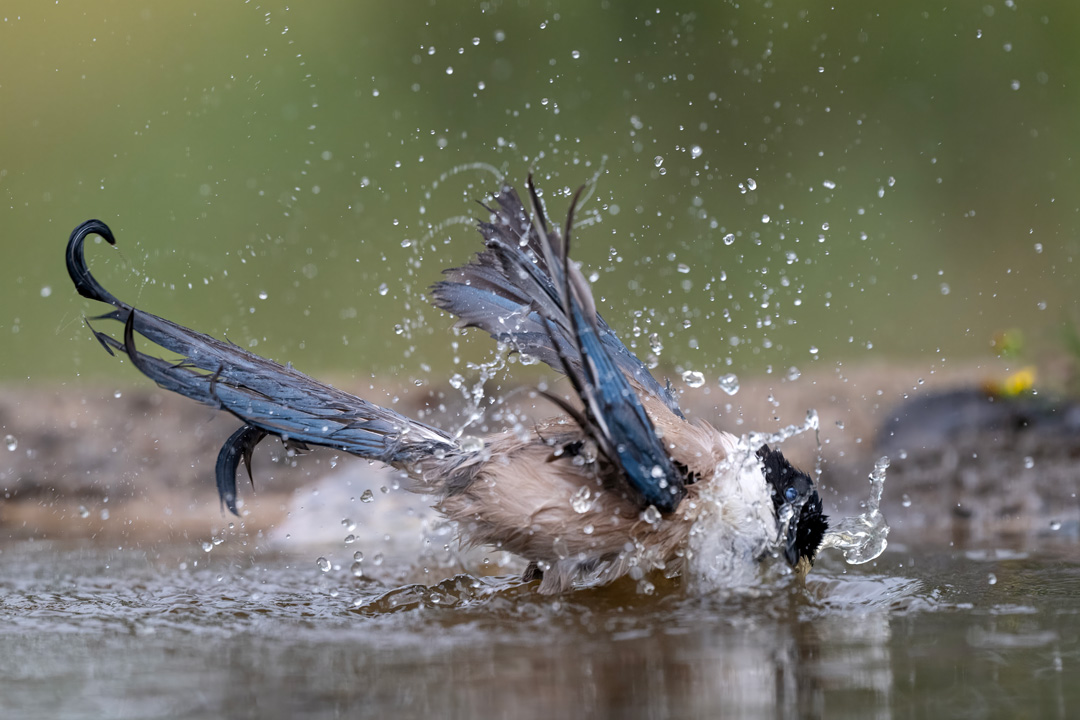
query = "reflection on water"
{"x": 93, "y": 632}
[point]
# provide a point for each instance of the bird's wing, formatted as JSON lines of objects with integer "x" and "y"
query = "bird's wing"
{"x": 509, "y": 291}
{"x": 271, "y": 399}
{"x": 525, "y": 290}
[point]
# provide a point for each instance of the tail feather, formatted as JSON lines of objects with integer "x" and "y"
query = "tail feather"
{"x": 271, "y": 399}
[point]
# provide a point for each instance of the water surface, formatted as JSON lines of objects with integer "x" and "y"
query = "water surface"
{"x": 172, "y": 631}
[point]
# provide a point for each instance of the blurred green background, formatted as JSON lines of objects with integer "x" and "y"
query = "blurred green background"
{"x": 898, "y": 180}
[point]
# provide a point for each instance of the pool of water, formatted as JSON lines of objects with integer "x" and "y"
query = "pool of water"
{"x": 172, "y": 631}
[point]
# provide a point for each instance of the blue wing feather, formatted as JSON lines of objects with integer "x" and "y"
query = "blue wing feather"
{"x": 509, "y": 291}
{"x": 523, "y": 291}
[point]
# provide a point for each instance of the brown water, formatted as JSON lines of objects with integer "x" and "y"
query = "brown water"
{"x": 172, "y": 632}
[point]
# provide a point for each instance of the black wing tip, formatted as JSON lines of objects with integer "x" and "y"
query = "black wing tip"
{"x": 85, "y": 283}
{"x": 238, "y": 447}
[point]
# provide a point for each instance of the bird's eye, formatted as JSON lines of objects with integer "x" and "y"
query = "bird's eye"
{"x": 790, "y": 494}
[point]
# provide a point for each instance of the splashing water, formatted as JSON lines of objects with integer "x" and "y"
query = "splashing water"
{"x": 752, "y": 441}
{"x": 863, "y": 538}
{"x": 716, "y": 561}
{"x": 474, "y": 395}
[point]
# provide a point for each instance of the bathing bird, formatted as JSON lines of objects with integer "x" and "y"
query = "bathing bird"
{"x": 619, "y": 483}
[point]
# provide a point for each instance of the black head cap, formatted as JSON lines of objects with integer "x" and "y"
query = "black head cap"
{"x": 792, "y": 487}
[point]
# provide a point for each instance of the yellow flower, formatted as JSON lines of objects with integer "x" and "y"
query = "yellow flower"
{"x": 1020, "y": 382}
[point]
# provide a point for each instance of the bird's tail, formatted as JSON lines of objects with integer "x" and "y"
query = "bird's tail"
{"x": 270, "y": 399}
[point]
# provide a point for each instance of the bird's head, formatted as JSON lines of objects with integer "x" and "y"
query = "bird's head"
{"x": 794, "y": 496}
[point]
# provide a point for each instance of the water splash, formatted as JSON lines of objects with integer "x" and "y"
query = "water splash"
{"x": 460, "y": 591}
{"x": 754, "y": 440}
{"x": 473, "y": 413}
{"x": 715, "y": 560}
{"x": 864, "y": 537}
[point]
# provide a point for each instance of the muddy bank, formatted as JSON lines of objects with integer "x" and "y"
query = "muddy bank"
{"x": 137, "y": 463}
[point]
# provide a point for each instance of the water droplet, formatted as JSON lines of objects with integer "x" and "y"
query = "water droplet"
{"x": 383, "y": 289}
{"x": 576, "y": 54}
{"x": 350, "y": 539}
{"x": 582, "y": 500}
{"x": 793, "y": 373}
{"x": 323, "y": 564}
{"x": 729, "y": 383}
{"x": 358, "y": 556}
{"x": 658, "y": 161}
{"x": 46, "y": 291}
{"x": 729, "y": 239}
{"x": 471, "y": 443}
{"x": 683, "y": 268}
{"x": 588, "y": 529}
{"x": 905, "y": 500}
{"x": 657, "y": 472}
{"x": 10, "y": 442}
{"x": 651, "y": 515}
{"x": 695, "y": 151}
{"x": 1038, "y": 248}
{"x": 751, "y": 184}
{"x": 991, "y": 579}
{"x": 693, "y": 378}
{"x": 1055, "y": 525}
{"x": 562, "y": 550}
{"x": 207, "y": 546}
{"x": 367, "y": 497}
{"x": 84, "y": 512}
{"x": 655, "y": 345}
{"x": 357, "y": 570}
{"x": 1029, "y": 462}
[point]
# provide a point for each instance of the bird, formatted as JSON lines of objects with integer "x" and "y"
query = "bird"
{"x": 618, "y": 483}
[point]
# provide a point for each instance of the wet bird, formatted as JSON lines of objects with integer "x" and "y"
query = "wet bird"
{"x": 622, "y": 483}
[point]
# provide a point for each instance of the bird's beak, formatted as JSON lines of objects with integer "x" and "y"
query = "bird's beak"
{"x": 801, "y": 564}
{"x": 791, "y": 551}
